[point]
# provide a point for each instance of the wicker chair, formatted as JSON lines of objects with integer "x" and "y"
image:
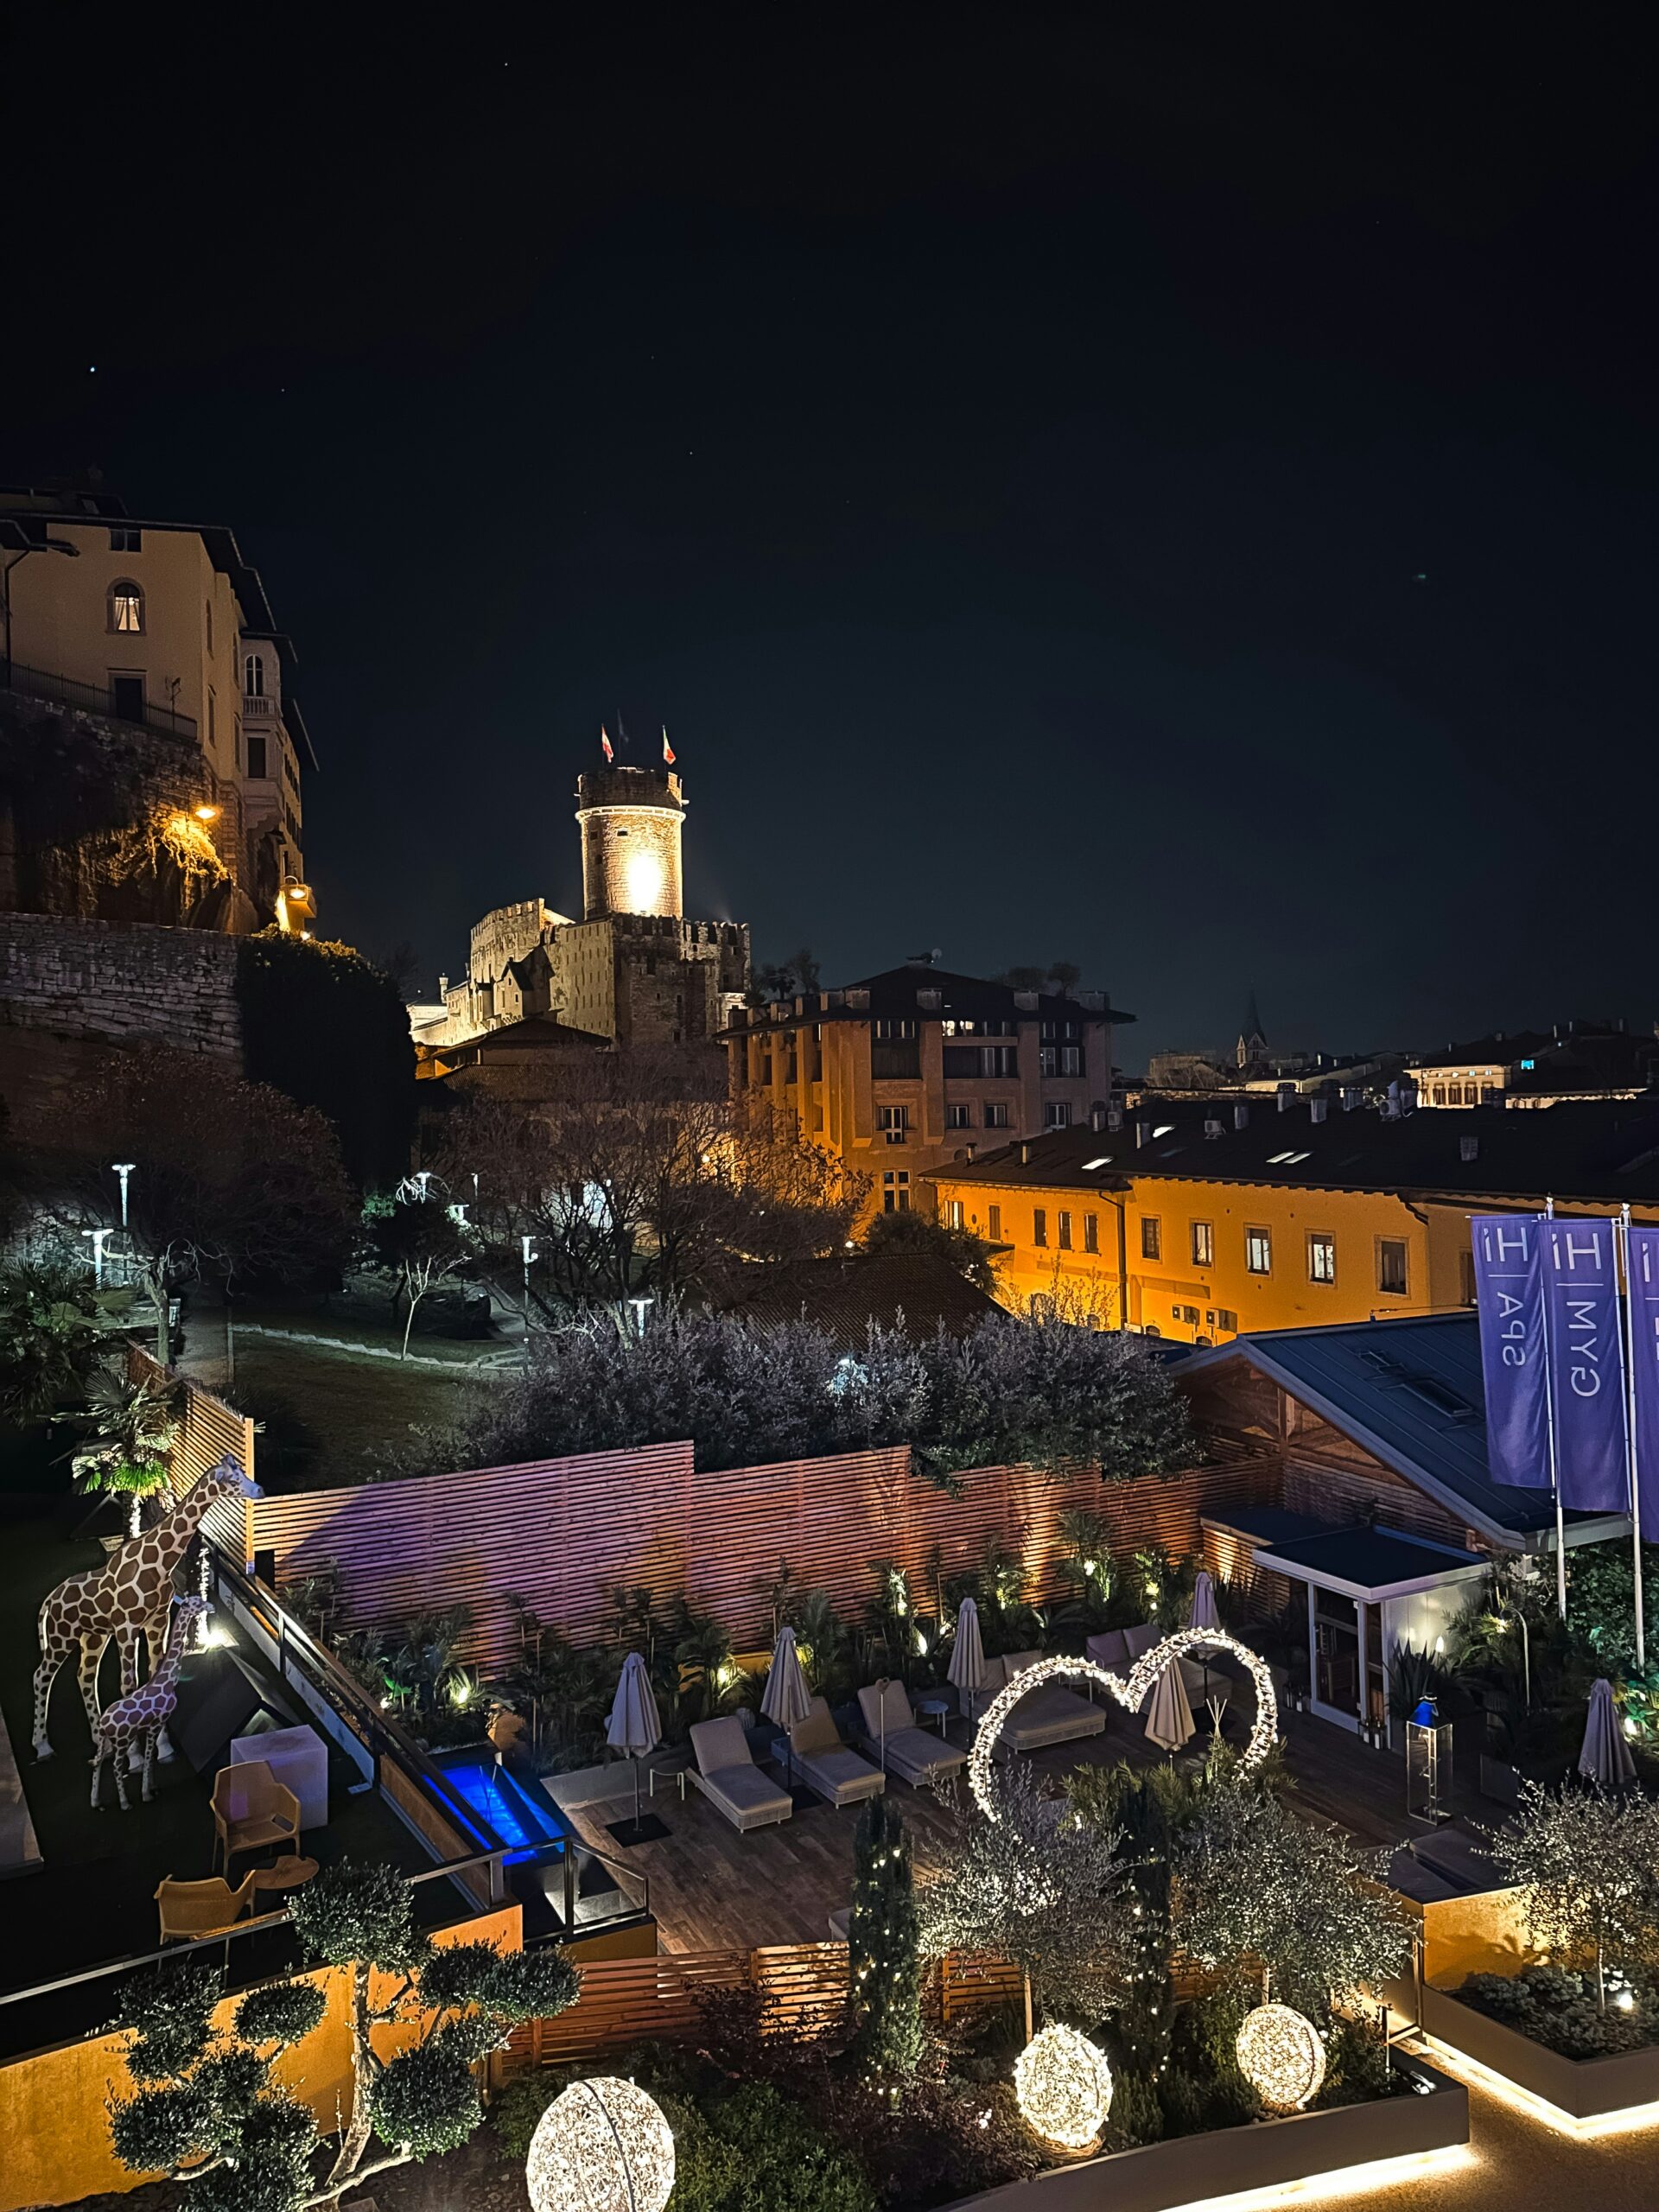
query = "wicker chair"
{"x": 251, "y": 1809}
{"x": 192, "y": 1909}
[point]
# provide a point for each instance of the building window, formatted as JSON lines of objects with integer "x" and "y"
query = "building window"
{"x": 1040, "y": 1227}
{"x": 1258, "y": 1251}
{"x": 1063, "y": 1222}
{"x": 213, "y": 718}
{"x": 1391, "y": 1265}
{"x": 207, "y": 608}
{"x": 126, "y": 606}
{"x": 994, "y": 1223}
{"x": 1204, "y": 1245}
{"x": 997, "y": 1117}
{"x": 895, "y": 1123}
{"x": 1047, "y": 1060}
{"x": 953, "y": 1213}
{"x": 1467, "y": 1277}
{"x": 253, "y": 675}
{"x": 1056, "y": 1115}
{"x": 1152, "y": 1237}
{"x": 1321, "y": 1256}
{"x": 124, "y": 540}
{"x": 1071, "y": 1059}
{"x": 890, "y": 1032}
{"x": 896, "y": 1189}
{"x": 1091, "y": 1232}
{"x": 959, "y": 1117}
{"x": 256, "y": 756}
{"x": 127, "y": 695}
{"x": 1227, "y": 1319}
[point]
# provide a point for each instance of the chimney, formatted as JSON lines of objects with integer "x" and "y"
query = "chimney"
{"x": 1468, "y": 1149}
{"x": 1025, "y": 1154}
{"x": 1096, "y": 1117}
{"x": 1241, "y": 1116}
{"x": 1212, "y": 1129}
{"x": 1319, "y": 1108}
{"x": 1285, "y": 1098}
{"x": 443, "y": 986}
{"x": 1351, "y": 1097}
{"x": 1115, "y": 1114}
{"x": 1142, "y": 1133}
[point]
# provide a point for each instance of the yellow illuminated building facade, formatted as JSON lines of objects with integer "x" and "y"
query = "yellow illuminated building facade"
{"x": 164, "y": 627}
{"x": 1201, "y": 1226}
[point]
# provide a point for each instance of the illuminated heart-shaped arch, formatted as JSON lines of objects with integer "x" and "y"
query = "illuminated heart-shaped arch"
{"x": 1130, "y": 1695}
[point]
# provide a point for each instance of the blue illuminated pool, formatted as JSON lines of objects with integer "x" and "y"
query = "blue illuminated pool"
{"x": 519, "y": 1812}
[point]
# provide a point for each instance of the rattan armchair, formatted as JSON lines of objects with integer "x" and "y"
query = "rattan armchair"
{"x": 192, "y": 1909}
{"x": 251, "y": 1809}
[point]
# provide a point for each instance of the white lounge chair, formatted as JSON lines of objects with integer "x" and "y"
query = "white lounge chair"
{"x": 728, "y": 1778}
{"x": 1052, "y": 1714}
{"x": 826, "y": 1765}
{"x": 914, "y": 1754}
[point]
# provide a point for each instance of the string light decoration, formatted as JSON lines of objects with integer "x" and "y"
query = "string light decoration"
{"x": 1131, "y": 1695}
{"x": 1065, "y": 2087}
{"x": 1281, "y": 2055}
{"x": 602, "y": 2146}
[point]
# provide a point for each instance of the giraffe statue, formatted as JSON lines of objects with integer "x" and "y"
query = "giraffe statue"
{"x": 137, "y": 1721}
{"x": 126, "y": 1598}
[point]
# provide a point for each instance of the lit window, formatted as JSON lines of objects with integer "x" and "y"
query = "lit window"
{"x": 1391, "y": 1265}
{"x": 1321, "y": 1256}
{"x": 1258, "y": 1251}
{"x": 1039, "y": 1226}
{"x": 1063, "y": 1222}
{"x": 994, "y": 1223}
{"x": 1056, "y": 1115}
{"x": 1204, "y": 1245}
{"x": 896, "y": 1189}
{"x": 959, "y": 1117}
{"x": 253, "y": 675}
{"x": 126, "y": 606}
{"x": 953, "y": 1213}
{"x": 1091, "y": 1232}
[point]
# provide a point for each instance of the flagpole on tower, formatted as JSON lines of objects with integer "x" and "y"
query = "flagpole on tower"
{"x": 1623, "y": 1234}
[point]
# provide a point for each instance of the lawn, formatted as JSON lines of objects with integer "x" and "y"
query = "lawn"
{"x": 332, "y": 1418}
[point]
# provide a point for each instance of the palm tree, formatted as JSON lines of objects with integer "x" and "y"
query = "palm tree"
{"x": 134, "y": 1427}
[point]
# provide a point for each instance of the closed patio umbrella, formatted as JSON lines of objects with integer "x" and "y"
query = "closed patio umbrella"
{"x": 787, "y": 1698}
{"x": 1606, "y": 1759}
{"x": 966, "y": 1672}
{"x": 635, "y": 1729}
{"x": 1203, "y": 1614}
{"x": 1169, "y": 1717}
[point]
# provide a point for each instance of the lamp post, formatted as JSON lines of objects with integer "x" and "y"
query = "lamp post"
{"x": 640, "y": 1308}
{"x": 124, "y": 1168}
{"x": 529, "y": 1246}
{"x": 99, "y": 1236}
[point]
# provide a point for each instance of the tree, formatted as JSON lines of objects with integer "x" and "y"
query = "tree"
{"x": 228, "y": 1178}
{"x": 49, "y": 1338}
{"x": 959, "y": 1249}
{"x": 419, "y": 1242}
{"x": 1141, "y": 2026}
{"x": 791, "y": 977}
{"x": 135, "y": 1425}
{"x": 1592, "y": 1864}
{"x": 1042, "y": 1888}
{"x": 1259, "y": 1890}
{"x": 209, "y": 2110}
{"x": 883, "y": 1939}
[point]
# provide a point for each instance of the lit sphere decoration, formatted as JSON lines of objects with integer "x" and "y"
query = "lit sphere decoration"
{"x": 1281, "y": 2055}
{"x": 602, "y": 2146}
{"x": 1065, "y": 2087}
{"x": 1130, "y": 1694}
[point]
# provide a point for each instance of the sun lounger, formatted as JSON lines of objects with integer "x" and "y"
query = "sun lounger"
{"x": 916, "y": 1755}
{"x": 728, "y": 1778}
{"x": 825, "y": 1764}
{"x": 1051, "y": 1713}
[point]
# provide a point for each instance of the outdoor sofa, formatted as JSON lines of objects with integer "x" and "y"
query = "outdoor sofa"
{"x": 824, "y": 1762}
{"x": 728, "y": 1778}
{"x": 1052, "y": 1714}
{"x": 1119, "y": 1648}
{"x": 914, "y": 1754}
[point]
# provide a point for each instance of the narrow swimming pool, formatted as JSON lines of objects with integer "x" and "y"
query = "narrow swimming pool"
{"x": 518, "y": 1809}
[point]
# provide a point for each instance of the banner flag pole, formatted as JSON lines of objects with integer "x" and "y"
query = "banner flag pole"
{"x": 1554, "y": 1475}
{"x": 1629, "y": 1436}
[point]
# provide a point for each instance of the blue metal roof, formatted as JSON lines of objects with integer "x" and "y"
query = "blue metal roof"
{"x": 1409, "y": 1390}
{"x": 1368, "y": 1558}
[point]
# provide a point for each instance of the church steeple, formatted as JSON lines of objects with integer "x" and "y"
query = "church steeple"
{"x": 1252, "y": 1038}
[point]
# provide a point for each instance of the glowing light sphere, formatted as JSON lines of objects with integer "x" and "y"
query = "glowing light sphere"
{"x": 1065, "y": 2087}
{"x": 1130, "y": 1694}
{"x": 1281, "y": 2055}
{"x": 602, "y": 2146}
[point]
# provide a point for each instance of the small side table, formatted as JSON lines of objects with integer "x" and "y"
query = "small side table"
{"x": 289, "y": 1872}
{"x": 656, "y": 1773}
{"x": 936, "y": 1708}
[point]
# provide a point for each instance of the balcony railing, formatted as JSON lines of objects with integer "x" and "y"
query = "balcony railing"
{"x": 91, "y": 698}
{"x": 257, "y": 703}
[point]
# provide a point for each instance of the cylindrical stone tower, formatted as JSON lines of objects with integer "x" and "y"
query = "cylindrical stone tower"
{"x": 632, "y": 821}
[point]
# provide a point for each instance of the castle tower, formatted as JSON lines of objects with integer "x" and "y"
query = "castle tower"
{"x": 631, "y": 822}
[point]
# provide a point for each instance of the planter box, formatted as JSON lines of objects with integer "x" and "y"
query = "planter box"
{"x": 1499, "y": 1780}
{"x": 1268, "y": 2154}
{"x": 1584, "y": 2088}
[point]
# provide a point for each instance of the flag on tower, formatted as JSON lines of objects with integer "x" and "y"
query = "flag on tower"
{"x": 668, "y": 750}
{"x": 604, "y": 738}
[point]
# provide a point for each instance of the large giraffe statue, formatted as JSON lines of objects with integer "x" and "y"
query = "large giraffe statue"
{"x": 127, "y": 1597}
{"x": 135, "y": 1722}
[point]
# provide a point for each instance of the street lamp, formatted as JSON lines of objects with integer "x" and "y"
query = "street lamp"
{"x": 641, "y": 1307}
{"x": 531, "y": 1254}
{"x": 98, "y": 1237}
{"x": 124, "y": 1168}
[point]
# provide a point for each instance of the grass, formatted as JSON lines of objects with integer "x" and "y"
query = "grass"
{"x": 333, "y": 1419}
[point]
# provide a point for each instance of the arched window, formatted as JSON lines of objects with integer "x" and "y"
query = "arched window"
{"x": 126, "y": 606}
{"x": 253, "y": 675}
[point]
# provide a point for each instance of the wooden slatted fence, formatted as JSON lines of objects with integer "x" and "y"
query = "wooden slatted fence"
{"x": 562, "y": 1533}
{"x": 211, "y": 1431}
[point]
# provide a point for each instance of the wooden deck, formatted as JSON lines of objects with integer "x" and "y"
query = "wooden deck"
{"x": 714, "y": 1888}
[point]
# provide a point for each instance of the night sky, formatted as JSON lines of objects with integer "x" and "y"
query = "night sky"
{"x": 1168, "y": 489}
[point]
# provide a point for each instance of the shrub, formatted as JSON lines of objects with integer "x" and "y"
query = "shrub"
{"x": 756, "y": 2151}
{"x": 1559, "y": 2010}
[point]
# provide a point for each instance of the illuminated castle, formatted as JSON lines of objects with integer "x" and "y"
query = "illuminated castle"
{"x": 633, "y": 970}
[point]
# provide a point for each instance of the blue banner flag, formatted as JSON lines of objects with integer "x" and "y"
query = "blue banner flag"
{"x": 1509, "y": 1285}
{"x": 1586, "y": 1365}
{"x": 1644, "y": 1371}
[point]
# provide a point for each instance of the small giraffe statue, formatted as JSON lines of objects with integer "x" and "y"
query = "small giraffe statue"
{"x": 128, "y": 1598}
{"x": 135, "y": 1721}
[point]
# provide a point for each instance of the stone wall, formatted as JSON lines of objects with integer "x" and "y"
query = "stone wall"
{"x": 69, "y": 988}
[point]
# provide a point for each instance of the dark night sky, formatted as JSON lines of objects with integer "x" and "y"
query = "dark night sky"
{"x": 1003, "y": 445}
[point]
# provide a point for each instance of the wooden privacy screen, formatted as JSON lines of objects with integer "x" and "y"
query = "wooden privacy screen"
{"x": 212, "y": 1431}
{"x": 564, "y": 1533}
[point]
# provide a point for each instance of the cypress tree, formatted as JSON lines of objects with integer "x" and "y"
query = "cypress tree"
{"x": 883, "y": 1939}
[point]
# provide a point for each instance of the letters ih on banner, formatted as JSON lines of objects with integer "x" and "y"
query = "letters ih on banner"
{"x": 1510, "y": 1281}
